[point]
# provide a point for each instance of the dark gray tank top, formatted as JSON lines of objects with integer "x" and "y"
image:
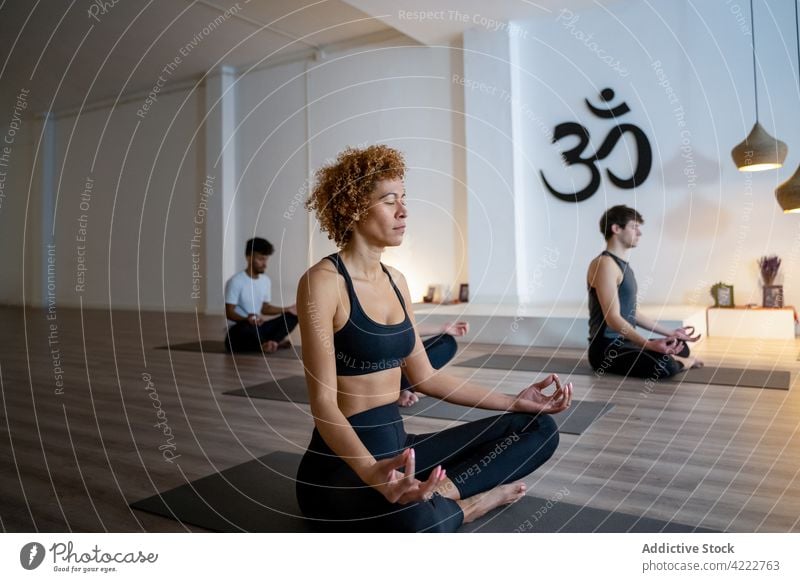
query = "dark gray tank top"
{"x": 627, "y": 291}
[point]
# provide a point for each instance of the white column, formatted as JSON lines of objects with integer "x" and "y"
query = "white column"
{"x": 45, "y": 245}
{"x": 223, "y": 249}
{"x": 492, "y": 204}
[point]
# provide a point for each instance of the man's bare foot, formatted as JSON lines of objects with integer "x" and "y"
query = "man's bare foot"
{"x": 407, "y": 398}
{"x": 285, "y": 344}
{"x": 482, "y": 503}
{"x": 269, "y": 347}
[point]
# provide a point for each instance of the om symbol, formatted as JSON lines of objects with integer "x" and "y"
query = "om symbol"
{"x": 571, "y": 157}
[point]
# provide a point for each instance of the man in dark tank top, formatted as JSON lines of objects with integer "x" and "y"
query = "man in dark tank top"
{"x": 615, "y": 347}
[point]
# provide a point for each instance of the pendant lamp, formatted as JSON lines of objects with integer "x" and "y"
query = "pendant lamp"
{"x": 759, "y": 150}
{"x": 788, "y": 193}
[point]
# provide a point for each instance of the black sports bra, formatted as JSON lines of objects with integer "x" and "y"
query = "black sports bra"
{"x": 364, "y": 346}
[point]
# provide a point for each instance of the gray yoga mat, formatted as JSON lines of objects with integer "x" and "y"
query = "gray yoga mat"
{"x": 218, "y": 347}
{"x": 775, "y": 379}
{"x": 576, "y": 420}
{"x": 259, "y": 496}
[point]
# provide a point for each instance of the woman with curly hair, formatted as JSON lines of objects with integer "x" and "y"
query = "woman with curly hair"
{"x": 361, "y": 470}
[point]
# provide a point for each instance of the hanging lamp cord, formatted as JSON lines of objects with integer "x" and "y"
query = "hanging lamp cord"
{"x": 797, "y": 36}
{"x": 753, "y": 38}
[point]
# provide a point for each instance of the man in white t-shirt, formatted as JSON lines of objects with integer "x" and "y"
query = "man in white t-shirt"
{"x": 247, "y": 301}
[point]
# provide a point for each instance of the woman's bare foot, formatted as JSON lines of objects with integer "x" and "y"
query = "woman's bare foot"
{"x": 482, "y": 503}
{"x": 269, "y": 347}
{"x": 407, "y": 398}
{"x": 690, "y": 362}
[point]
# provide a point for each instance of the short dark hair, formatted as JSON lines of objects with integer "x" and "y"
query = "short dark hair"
{"x": 620, "y": 215}
{"x": 258, "y": 245}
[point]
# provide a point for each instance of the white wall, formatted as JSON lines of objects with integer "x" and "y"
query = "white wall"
{"x": 495, "y": 197}
{"x": 147, "y": 175}
{"x": 705, "y": 221}
{"x": 400, "y": 95}
{"x": 143, "y": 199}
{"x": 272, "y": 170}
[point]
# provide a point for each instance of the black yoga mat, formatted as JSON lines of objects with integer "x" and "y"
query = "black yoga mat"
{"x": 537, "y": 515}
{"x": 259, "y": 496}
{"x": 576, "y": 420}
{"x": 290, "y": 389}
{"x": 775, "y": 379}
{"x": 218, "y": 347}
{"x": 256, "y": 496}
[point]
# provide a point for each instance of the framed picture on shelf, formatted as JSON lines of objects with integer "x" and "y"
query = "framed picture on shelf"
{"x": 723, "y": 295}
{"x": 428, "y": 298}
{"x": 773, "y": 296}
{"x": 463, "y": 293}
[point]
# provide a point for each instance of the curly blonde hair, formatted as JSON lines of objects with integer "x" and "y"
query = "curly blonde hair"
{"x": 341, "y": 196}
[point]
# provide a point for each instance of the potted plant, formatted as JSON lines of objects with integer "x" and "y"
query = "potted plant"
{"x": 772, "y": 294}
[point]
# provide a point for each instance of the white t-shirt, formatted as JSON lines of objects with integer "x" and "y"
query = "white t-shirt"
{"x": 248, "y": 294}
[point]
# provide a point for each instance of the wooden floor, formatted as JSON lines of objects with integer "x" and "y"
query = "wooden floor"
{"x": 712, "y": 456}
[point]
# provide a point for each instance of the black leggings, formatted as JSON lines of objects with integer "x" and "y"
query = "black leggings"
{"x": 440, "y": 349}
{"x": 477, "y": 456}
{"x": 243, "y": 336}
{"x": 618, "y": 356}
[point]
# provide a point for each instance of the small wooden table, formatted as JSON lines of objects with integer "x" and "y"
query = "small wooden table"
{"x": 751, "y": 322}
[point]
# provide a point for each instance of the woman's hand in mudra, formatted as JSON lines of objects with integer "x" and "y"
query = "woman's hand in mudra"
{"x": 402, "y": 487}
{"x": 533, "y": 398}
